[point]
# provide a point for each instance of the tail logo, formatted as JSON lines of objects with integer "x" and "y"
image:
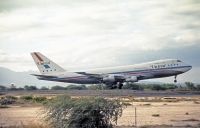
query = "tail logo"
{"x": 46, "y": 66}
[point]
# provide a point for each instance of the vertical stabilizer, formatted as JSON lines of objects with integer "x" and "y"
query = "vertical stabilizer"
{"x": 45, "y": 65}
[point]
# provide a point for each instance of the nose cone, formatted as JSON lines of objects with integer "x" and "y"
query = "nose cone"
{"x": 189, "y": 67}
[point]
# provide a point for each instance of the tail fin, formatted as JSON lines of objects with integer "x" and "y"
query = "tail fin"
{"x": 45, "y": 65}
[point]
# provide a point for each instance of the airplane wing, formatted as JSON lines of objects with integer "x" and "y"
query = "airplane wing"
{"x": 118, "y": 77}
{"x": 90, "y": 74}
{"x": 44, "y": 76}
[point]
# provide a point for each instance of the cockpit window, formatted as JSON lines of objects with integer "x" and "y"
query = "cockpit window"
{"x": 179, "y": 61}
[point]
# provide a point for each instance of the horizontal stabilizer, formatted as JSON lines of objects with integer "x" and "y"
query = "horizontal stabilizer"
{"x": 44, "y": 76}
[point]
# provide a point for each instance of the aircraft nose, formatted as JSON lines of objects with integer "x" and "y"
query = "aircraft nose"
{"x": 189, "y": 67}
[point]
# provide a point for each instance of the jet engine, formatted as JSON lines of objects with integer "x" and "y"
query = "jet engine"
{"x": 109, "y": 78}
{"x": 131, "y": 79}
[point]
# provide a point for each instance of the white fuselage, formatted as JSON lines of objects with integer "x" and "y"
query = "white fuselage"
{"x": 154, "y": 69}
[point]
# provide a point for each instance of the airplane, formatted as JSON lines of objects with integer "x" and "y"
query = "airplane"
{"x": 113, "y": 77}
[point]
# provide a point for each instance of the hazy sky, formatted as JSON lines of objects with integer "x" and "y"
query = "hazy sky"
{"x": 96, "y": 33}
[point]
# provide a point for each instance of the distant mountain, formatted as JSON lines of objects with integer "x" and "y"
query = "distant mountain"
{"x": 20, "y": 79}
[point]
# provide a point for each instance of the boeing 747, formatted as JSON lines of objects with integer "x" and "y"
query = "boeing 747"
{"x": 111, "y": 76}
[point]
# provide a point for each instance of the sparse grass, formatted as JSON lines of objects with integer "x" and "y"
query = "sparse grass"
{"x": 32, "y": 99}
{"x": 40, "y": 99}
{"x": 155, "y": 99}
{"x": 34, "y": 125}
{"x": 27, "y": 98}
{"x": 157, "y": 126}
{"x": 4, "y": 106}
{"x": 188, "y": 126}
{"x": 31, "y": 125}
{"x": 127, "y": 104}
{"x": 196, "y": 102}
{"x": 186, "y": 113}
{"x": 146, "y": 104}
{"x": 191, "y": 120}
{"x": 145, "y": 126}
{"x": 156, "y": 115}
{"x": 162, "y": 99}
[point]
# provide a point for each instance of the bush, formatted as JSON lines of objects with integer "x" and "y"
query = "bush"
{"x": 198, "y": 87}
{"x": 39, "y": 99}
{"x": 76, "y": 87}
{"x": 44, "y": 88}
{"x": 158, "y": 87}
{"x": 4, "y": 106}
{"x": 169, "y": 86}
{"x": 7, "y": 100}
{"x": 65, "y": 112}
{"x": 57, "y": 88}
{"x": 30, "y": 87}
{"x": 27, "y": 98}
{"x": 190, "y": 85}
{"x": 133, "y": 86}
{"x": 97, "y": 87}
{"x": 34, "y": 99}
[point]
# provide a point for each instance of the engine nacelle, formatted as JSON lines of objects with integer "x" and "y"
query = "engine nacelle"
{"x": 109, "y": 78}
{"x": 131, "y": 79}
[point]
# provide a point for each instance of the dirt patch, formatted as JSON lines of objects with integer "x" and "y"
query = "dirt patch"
{"x": 167, "y": 114}
{"x": 17, "y": 116}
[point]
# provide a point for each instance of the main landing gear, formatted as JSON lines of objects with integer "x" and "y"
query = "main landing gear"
{"x": 175, "y": 79}
{"x": 119, "y": 85}
{"x": 115, "y": 85}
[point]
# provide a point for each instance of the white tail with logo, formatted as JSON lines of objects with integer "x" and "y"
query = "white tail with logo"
{"x": 45, "y": 65}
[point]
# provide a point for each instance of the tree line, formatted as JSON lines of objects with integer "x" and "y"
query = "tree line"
{"x": 130, "y": 86}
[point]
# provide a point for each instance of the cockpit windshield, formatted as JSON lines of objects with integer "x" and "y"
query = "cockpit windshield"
{"x": 179, "y": 61}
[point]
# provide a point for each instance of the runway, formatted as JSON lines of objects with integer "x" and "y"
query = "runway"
{"x": 107, "y": 93}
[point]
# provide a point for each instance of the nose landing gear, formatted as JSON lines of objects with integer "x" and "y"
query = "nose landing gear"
{"x": 175, "y": 79}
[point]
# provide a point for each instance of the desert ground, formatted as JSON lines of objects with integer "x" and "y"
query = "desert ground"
{"x": 151, "y": 111}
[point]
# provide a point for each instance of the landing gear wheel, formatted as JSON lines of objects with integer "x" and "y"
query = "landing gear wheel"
{"x": 120, "y": 86}
{"x": 175, "y": 79}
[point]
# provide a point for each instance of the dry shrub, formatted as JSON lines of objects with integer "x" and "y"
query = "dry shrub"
{"x": 65, "y": 112}
{"x": 156, "y": 115}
